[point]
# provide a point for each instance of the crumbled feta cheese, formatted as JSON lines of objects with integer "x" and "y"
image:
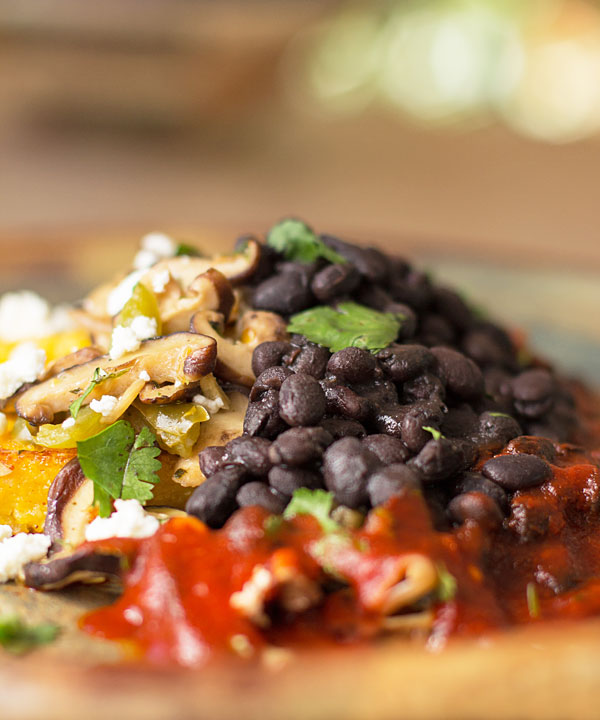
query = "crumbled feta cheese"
{"x": 68, "y": 423}
{"x": 25, "y": 315}
{"x": 128, "y": 338}
{"x": 20, "y": 549}
{"x": 160, "y": 280}
{"x": 3, "y": 423}
{"x": 24, "y": 364}
{"x": 211, "y": 406}
{"x": 120, "y": 295}
{"x": 250, "y": 599}
{"x": 105, "y": 405}
{"x": 5, "y": 532}
{"x": 144, "y": 376}
{"x": 128, "y": 520}
{"x": 155, "y": 246}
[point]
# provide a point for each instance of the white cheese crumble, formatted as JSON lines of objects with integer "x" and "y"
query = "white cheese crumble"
{"x": 120, "y": 295}
{"x": 144, "y": 376}
{"x": 128, "y": 520}
{"x": 211, "y": 406}
{"x": 155, "y": 246}
{"x": 128, "y": 338}
{"x": 105, "y": 405}
{"x": 24, "y": 364}
{"x": 5, "y": 532}
{"x": 20, "y": 549}
{"x": 160, "y": 280}
{"x": 68, "y": 423}
{"x": 25, "y": 315}
{"x": 3, "y": 424}
{"x": 251, "y": 598}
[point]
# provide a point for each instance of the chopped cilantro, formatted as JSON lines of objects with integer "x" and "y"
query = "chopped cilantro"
{"x": 533, "y": 601}
{"x": 446, "y": 589}
{"x": 120, "y": 464}
{"x": 437, "y": 435}
{"x": 298, "y": 242}
{"x": 272, "y": 524}
{"x": 17, "y": 637}
{"x": 500, "y": 414}
{"x": 185, "y": 249}
{"x": 350, "y": 325}
{"x": 98, "y": 377}
{"x": 317, "y": 503}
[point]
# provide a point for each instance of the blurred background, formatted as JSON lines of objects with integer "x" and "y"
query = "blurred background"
{"x": 463, "y": 132}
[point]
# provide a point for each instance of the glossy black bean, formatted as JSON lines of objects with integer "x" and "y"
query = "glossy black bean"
{"x": 517, "y": 472}
{"x": 310, "y": 359}
{"x": 533, "y": 392}
{"x": 460, "y": 422}
{"x": 287, "y": 480}
{"x": 476, "y": 482}
{"x": 393, "y": 481}
{"x": 334, "y": 281}
{"x": 341, "y": 400}
{"x": 496, "y": 429}
{"x": 301, "y": 400}
{"x": 352, "y": 365}
{"x": 258, "y": 493}
{"x": 533, "y": 445}
{"x": 343, "y": 427}
{"x": 463, "y": 377}
{"x": 378, "y": 392}
{"x": 300, "y": 446}
{"x": 212, "y": 459}
{"x": 347, "y": 465}
{"x": 215, "y": 500}
{"x": 415, "y": 417}
{"x": 269, "y": 379}
{"x": 262, "y": 417}
{"x": 388, "y": 420}
{"x": 485, "y": 348}
{"x": 286, "y": 293}
{"x": 268, "y": 354}
{"x": 423, "y": 387}
{"x": 389, "y": 450}
{"x": 478, "y": 507}
{"x": 252, "y": 453}
{"x": 438, "y": 460}
{"x": 369, "y": 262}
{"x": 451, "y": 306}
{"x": 404, "y": 362}
{"x": 436, "y": 330}
{"x": 409, "y": 319}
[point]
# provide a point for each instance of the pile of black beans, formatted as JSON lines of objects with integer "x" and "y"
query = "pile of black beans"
{"x": 415, "y": 416}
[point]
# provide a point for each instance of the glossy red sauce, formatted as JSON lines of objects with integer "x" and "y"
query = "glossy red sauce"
{"x": 177, "y": 601}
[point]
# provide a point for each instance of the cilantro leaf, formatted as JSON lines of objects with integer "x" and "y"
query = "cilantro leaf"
{"x": 437, "y": 435}
{"x": 98, "y": 377}
{"x": 350, "y": 325}
{"x": 500, "y": 414}
{"x": 119, "y": 464}
{"x": 446, "y": 589}
{"x": 17, "y": 637}
{"x": 298, "y": 242}
{"x": 317, "y": 503}
{"x": 185, "y": 249}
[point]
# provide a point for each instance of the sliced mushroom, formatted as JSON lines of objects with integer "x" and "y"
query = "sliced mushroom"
{"x": 180, "y": 357}
{"x": 216, "y": 290}
{"x": 153, "y": 394}
{"x": 70, "y": 497}
{"x": 79, "y": 357}
{"x": 257, "y": 326}
{"x": 87, "y": 565}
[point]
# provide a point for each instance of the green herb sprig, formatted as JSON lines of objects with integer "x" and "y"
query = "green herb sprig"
{"x": 317, "y": 503}
{"x": 297, "y": 242}
{"x": 18, "y": 637}
{"x": 98, "y": 377}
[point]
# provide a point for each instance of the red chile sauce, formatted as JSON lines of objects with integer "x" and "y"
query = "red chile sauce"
{"x": 176, "y": 608}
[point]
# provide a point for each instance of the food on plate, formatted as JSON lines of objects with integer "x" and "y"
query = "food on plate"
{"x": 302, "y": 442}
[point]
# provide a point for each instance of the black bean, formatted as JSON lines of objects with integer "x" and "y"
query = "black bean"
{"x": 212, "y": 459}
{"x": 347, "y": 465}
{"x": 485, "y": 348}
{"x": 451, "y": 306}
{"x": 368, "y": 261}
{"x": 476, "y": 482}
{"x": 300, "y": 446}
{"x": 252, "y": 453}
{"x": 389, "y": 450}
{"x": 393, "y": 481}
{"x": 305, "y": 270}
{"x": 533, "y": 392}
{"x": 463, "y": 377}
{"x": 460, "y": 422}
{"x": 374, "y": 296}
{"x": 414, "y": 289}
{"x": 310, "y": 359}
{"x": 334, "y": 280}
{"x": 389, "y": 420}
{"x": 436, "y": 330}
{"x": 424, "y": 387}
{"x": 352, "y": 365}
{"x": 214, "y": 500}
{"x": 257, "y": 493}
{"x": 517, "y": 472}
{"x": 287, "y": 480}
{"x": 342, "y": 427}
{"x": 416, "y": 417}
{"x": 438, "y": 460}
{"x": 404, "y": 362}
{"x": 533, "y": 445}
{"x": 268, "y": 354}
{"x": 341, "y": 400}
{"x": 301, "y": 400}
{"x": 285, "y": 294}
{"x": 497, "y": 385}
{"x": 409, "y": 319}
{"x": 269, "y": 379}
{"x": 262, "y": 417}
{"x": 476, "y": 506}
{"x": 378, "y": 392}
{"x": 496, "y": 429}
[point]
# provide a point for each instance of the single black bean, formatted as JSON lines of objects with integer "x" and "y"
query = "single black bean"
{"x": 460, "y": 422}
{"x": 409, "y": 319}
{"x": 476, "y": 506}
{"x": 405, "y": 362}
{"x": 343, "y": 427}
{"x": 393, "y": 481}
{"x": 252, "y": 453}
{"x": 335, "y": 280}
{"x": 438, "y": 460}
{"x": 286, "y": 293}
{"x": 310, "y": 359}
{"x": 415, "y": 418}
{"x": 300, "y": 446}
{"x": 301, "y": 400}
{"x": 287, "y": 480}
{"x": 476, "y": 482}
{"x": 212, "y": 459}
{"x": 347, "y": 465}
{"x": 533, "y": 392}
{"x": 258, "y": 493}
{"x": 517, "y": 472}
{"x": 423, "y": 387}
{"x": 341, "y": 400}
{"x": 378, "y": 392}
{"x": 436, "y": 330}
{"x": 496, "y": 429}
{"x": 533, "y": 445}
{"x": 369, "y": 262}
{"x": 451, "y": 306}
{"x": 269, "y": 379}
{"x": 463, "y": 377}
{"x": 388, "y": 420}
{"x": 389, "y": 450}
{"x": 262, "y": 417}
{"x": 214, "y": 500}
{"x": 487, "y": 348}
{"x": 414, "y": 289}
{"x": 268, "y": 354}
{"x": 352, "y": 365}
